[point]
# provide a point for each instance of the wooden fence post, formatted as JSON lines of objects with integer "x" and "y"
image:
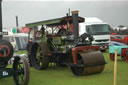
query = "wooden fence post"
{"x": 115, "y": 67}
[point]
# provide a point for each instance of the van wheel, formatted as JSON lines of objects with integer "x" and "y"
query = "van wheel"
{"x": 103, "y": 50}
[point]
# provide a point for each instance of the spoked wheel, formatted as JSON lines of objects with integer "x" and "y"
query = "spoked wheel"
{"x": 21, "y": 70}
{"x": 78, "y": 70}
{"x": 112, "y": 56}
{"x": 39, "y": 61}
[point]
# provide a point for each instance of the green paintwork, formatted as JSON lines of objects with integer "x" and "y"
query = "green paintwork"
{"x": 44, "y": 38}
{"x": 57, "y": 41}
{"x": 6, "y": 72}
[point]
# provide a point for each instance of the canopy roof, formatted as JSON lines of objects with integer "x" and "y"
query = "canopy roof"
{"x": 54, "y": 22}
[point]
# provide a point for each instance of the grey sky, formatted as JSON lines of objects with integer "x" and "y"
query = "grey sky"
{"x": 112, "y": 12}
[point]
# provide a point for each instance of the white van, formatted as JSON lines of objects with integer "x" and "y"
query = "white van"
{"x": 99, "y": 29}
{"x": 10, "y": 37}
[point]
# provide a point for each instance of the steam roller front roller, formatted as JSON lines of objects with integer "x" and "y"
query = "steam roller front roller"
{"x": 88, "y": 62}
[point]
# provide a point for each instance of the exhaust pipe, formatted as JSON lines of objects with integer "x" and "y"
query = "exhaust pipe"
{"x": 75, "y": 25}
{"x": 0, "y": 18}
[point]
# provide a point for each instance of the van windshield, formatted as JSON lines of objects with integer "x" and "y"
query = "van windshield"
{"x": 99, "y": 29}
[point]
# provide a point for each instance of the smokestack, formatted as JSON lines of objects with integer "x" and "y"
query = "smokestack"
{"x": 0, "y": 17}
{"x": 75, "y": 24}
{"x": 17, "y": 25}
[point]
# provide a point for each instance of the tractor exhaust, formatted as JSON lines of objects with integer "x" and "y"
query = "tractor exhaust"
{"x": 75, "y": 25}
{"x": 0, "y": 17}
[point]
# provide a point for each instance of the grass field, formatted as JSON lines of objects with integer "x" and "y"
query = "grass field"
{"x": 64, "y": 76}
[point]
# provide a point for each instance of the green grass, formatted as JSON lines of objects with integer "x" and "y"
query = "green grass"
{"x": 21, "y": 52}
{"x": 64, "y": 76}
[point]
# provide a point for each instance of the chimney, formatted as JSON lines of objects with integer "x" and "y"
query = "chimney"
{"x": 75, "y": 25}
{"x": 0, "y": 17}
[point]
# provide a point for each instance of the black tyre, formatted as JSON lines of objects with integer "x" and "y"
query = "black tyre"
{"x": 103, "y": 50}
{"x": 38, "y": 60}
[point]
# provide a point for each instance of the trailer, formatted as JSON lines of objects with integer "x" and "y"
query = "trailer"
{"x": 119, "y": 42}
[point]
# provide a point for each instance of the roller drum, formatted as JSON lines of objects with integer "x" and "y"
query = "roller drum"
{"x": 93, "y": 62}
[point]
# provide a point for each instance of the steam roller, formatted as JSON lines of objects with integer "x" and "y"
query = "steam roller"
{"x": 64, "y": 46}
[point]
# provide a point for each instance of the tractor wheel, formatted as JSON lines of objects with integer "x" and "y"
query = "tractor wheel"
{"x": 38, "y": 60}
{"x": 112, "y": 57}
{"x": 103, "y": 50}
{"x": 21, "y": 70}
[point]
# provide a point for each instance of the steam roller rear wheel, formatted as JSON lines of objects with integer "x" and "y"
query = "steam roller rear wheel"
{"x": 39, "y": 61}
{"x": 21, "y": 71}
{"x": 88, "y": 63}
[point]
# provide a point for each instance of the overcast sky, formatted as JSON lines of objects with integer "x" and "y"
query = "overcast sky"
{"x": 112, "y": 12}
